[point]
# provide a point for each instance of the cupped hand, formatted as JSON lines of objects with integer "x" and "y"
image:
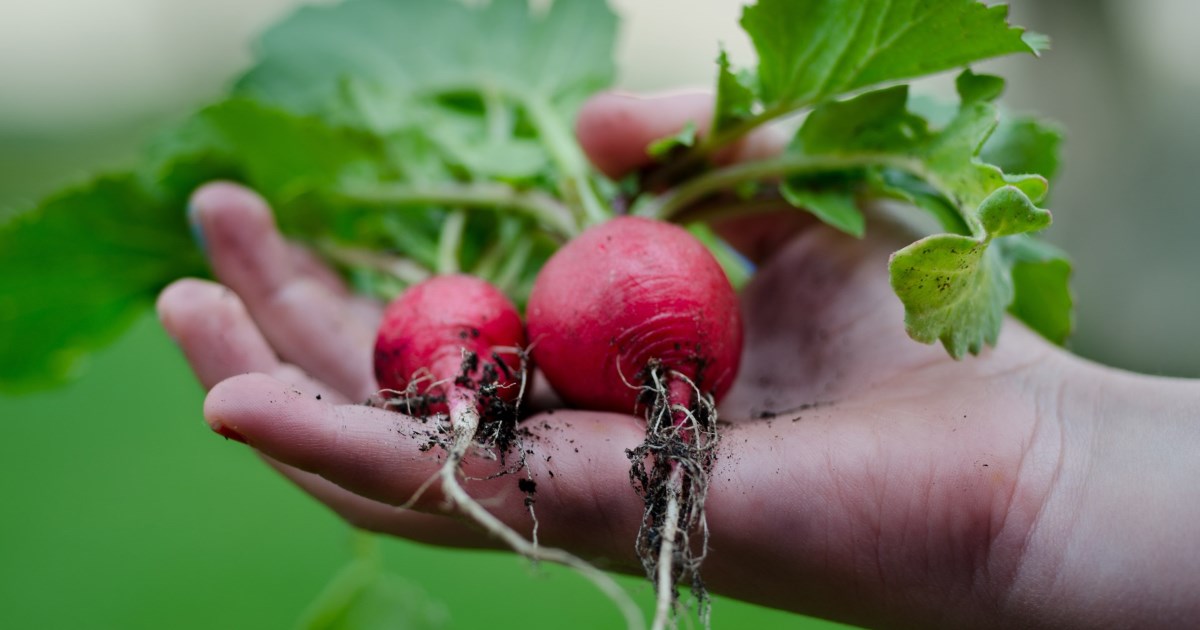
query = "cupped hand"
{"x": 864, "y": 477}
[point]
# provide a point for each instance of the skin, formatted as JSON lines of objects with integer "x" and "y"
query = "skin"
{"x": 1022, "y": 488}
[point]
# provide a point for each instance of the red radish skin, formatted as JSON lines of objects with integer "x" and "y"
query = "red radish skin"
{"x": 626, "y": 292}
{"x": 427, "y": 329}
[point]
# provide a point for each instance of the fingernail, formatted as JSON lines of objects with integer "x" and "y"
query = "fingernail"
{"x": 229, "y": 434}
{"x": 193, "y": 218}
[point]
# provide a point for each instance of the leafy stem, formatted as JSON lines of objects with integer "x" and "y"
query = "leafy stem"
{"x": 402, "y": 269}
{"x": 728, "y": 136}
{"x": 541, "y": 207}
{"x": 710, "y": 144}
{"x": 508, "y": 275}
{"x": 564, "y": 150}
{"x": 673, "y": 202}
{"x": 450, "y": 242}
{"x": 355, "y": 577}
{"x": 497, "y": 114}
{"x": 508, "y": 236}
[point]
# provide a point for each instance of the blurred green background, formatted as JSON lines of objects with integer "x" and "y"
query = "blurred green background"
{"x": 123, "y": 511}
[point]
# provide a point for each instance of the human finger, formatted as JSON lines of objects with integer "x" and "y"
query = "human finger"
{"x": 373, "y": 516}
{"x": 615, "y": 129}
{"x": 306, "y": 263}
{"x": 305, "y": 321}
{"x": 581, "y": 473}
{"x": 219, "y": 339}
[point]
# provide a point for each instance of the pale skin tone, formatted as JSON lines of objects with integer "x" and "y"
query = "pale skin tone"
{"x": 894, "y": 487}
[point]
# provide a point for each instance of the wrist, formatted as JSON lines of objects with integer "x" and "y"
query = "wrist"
{"x": 1114, "y": 542}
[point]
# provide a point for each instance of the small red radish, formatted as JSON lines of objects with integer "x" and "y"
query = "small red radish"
{"x": 448, "y": 339}
{"x": 623, "y": 294}
{"x": 452, "y": 345}
{"x": 636, "y": 315}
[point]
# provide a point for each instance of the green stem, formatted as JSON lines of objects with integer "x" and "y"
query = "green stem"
{"x": 669, "y": 205}
{"x": 450, "y": 242}
{"x": 331, "y": 605}
{"x": 543, "y": 208}
{"x": 508, "y": 234}
{"x": 365, "y": 548}
{"x": 497, "y": 114}
{"x": 711, "y": 144}
{"x": 584, "y": 205}
{"x": 726, "y": 137}
{"x": 402, "y": 269}
{"x": 565, "y": 151}
{"x": 508, "y": 275}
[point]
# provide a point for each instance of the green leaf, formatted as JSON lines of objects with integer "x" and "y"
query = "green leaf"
{"x": 365, "y": 596}
{"x": 1019, "y": 145}
{"x": 735, "y": 96}
{"x": 279, "y": 154}
{"x": 1025, "y": 144}
{"x": 875, "y": 122}
{"x": 1009, "y": 211}
{"x": 308, "y": 169}
{"x": 663, "y": 147}
{"x": 949, "y": 158}
{"x": 79, "y": 268}
{"x": 85, "y": 262}
{"x": 901, "y": 186}
{"x": 973, "y": 87}
{"x": 879, "y": 127}
{"x": 434, "y": 48}
{"x": 485, "y": 83}
{"x": 736, "y": 267}
{"x": 812, "y": 50}
{"x": 833, "y": 205}
{"x": 298, "y": 163}
{"x": 1034, "y": 186}
{"x": 954, "y": 289}
{"x": 1041, "y": 280}
{"x": 514, "y": 160}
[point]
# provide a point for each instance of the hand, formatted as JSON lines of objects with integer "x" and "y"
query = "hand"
{"x": 890, "y": 485}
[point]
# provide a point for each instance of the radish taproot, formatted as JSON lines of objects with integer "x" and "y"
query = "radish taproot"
{"x": 454, "y": 345}
{"x": 636, "y": 315}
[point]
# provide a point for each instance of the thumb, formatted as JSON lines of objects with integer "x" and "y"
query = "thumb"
{"x": 615, "y": 130}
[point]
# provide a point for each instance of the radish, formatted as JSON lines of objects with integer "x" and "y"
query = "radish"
{"x": 636, "y": 315}
{"x": 453, "y": 345}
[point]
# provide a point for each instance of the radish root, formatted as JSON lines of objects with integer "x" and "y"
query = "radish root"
{"x": 465, "y": 427}
{"x": 681, "y": 441}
